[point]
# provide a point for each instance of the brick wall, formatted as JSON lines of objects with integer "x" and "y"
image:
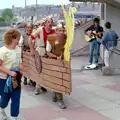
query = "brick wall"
{"x": 55, "y": 75}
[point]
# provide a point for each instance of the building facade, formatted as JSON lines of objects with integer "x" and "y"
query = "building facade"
{"x": 109, "y": 11}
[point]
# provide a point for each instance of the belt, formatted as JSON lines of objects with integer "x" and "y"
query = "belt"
{"x": 26, "y": 48}
{"x": 40, "y": 46}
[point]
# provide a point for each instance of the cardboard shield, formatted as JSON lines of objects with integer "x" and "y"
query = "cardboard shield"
{"x": 38, "y": 62}
{"x": 55, "y": 75}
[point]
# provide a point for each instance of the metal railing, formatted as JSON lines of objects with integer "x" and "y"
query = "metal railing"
{"x": 3, "y": 23}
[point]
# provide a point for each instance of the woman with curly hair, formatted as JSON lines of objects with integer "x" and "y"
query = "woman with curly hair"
{"x": 10, "y": 76}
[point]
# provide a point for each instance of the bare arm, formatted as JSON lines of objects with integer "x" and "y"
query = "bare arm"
{"x": 21, "y": 66}
{"x": 51, "y": 55}
{"x": 32, "y": 38}
{"x": 5, "y": 70}
{"x": 31, "y": 43}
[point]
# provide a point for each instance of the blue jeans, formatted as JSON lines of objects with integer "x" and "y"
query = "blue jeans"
{"x": 94, "y": 45}
{"x": 14, "y": 96}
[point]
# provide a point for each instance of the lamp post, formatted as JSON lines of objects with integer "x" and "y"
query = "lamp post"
{"x": 25, "y": 3}
{"x": 25, "y": 8}
{"x": 36, "y": 9}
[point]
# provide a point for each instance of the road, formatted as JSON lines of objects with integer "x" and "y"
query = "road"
{"x": 94, "y": 97}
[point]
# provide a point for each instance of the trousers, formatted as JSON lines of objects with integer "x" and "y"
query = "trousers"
{"x": 94, "y": 45}
{"x": 59, "y": 96}
{"x": 108, "y": 56}
{"x": 14, "y": 96}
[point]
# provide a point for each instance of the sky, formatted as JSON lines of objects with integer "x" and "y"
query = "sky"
{"x": 21, "y": 3}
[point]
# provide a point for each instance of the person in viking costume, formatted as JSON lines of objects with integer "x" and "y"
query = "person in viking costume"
{"x": 56, "y": 51}
{"x": 25, "y": 46}
{"x": 39, "y": 45}
{"x": 42, "y": 22}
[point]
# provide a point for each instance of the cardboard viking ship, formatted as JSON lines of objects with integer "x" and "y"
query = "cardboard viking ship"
{"x": 54, "y": 75}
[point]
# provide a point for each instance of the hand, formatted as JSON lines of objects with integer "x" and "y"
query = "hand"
{"x": 99, "y": 35}
{"x": 103, "y": 42}
{"x": 32, "y": 53}
{"x": 13, "y": 74}
{"x": 89, "y": 33}
{"x": 59, "y": 58}
{"x": 21, "y": 67}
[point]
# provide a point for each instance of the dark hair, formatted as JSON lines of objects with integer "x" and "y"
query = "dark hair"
{"x": 96, "y": 20}
{"x": 108, "y": 25}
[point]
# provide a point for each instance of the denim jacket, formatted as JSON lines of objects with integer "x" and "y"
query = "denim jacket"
{"x": 110, "y": 38}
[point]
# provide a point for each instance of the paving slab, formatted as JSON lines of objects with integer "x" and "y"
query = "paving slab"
{"x": 94, "y": 97}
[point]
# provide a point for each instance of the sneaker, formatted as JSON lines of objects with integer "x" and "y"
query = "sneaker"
{"x": 30, "y": 83}
{"x": 54, "y": 98}
{"x": 97, "y": 65}
{"x": 25, "y": 81}
{"x": 34, "y": 84}
{"x": 61, "y": 104}
{"x": 3, "y": 114}
{"x": 43, "y": 89}
{"x": 37, "y": 91}
{"x": 13, "y": 118}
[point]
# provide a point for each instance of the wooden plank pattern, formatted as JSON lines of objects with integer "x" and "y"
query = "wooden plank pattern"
{"x": 55, "y": 75}
{"x": 53, "y": 62}
{"x": 52, "y": 73}
{"x": 54, "y": 68}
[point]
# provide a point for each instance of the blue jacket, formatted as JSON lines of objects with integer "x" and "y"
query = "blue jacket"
{"x": 110, "y": 38}
{"x": 8, "y": 85}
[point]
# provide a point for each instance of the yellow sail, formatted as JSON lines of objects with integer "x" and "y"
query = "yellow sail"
{"x": 69, "y": 18}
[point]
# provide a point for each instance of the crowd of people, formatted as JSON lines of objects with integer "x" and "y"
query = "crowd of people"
{"x": 108, "y": 37}
{"x": 35, "y": 39}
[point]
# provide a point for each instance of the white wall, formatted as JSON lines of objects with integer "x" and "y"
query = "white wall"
{"x": 112, "y": 15}
{"x": 79, "y": 37}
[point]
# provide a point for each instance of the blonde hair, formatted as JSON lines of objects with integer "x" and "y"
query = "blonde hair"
{"x": 30, "y": 25}
{"x": 10, "y": 35}
{"x": 60, "y": 25}
{"x": 48, "y": 18}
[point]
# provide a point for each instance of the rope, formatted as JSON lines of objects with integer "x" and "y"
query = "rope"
{"x": 112, "y": 50}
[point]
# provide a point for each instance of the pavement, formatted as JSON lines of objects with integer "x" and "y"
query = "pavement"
{"x": 94, "y": 97}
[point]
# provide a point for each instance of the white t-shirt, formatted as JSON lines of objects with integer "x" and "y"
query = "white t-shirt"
{"x": 21, "y": 41}
{"x": 48, "y": 46}
{"x": 10, "y": 58}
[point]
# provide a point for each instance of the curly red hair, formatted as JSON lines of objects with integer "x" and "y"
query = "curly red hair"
{"x": 10, "y": 35}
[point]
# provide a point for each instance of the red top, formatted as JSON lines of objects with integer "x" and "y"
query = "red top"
{"x": 45, "y": 34}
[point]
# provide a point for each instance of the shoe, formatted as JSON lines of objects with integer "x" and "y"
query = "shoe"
{"x": 61, "y": 104}
{"x": 37, "y": 91}
{"x": 43, "y": 89}
{"x": 13, "y": 118}
{"x": 97, "y": 65}
{"x": 54, "y": 98}
{"x": 34, "y": 84}
{"x": 3, "y": 114}
{"x": 30, "y": 83}
{"x": 25, "y": 81}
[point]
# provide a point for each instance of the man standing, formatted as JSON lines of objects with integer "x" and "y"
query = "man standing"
{"x": 23, "y": 43}
{"x": 40, "y": 45}
{"x": 56, "y": 51}
{"x": 94, "y": 44}
{"x": 109, "y": 39}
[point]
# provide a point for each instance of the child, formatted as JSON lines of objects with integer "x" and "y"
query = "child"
{"x": 23, "y": 43}
{"x": 56, "y": 51}
{"x": 10, "y": 77}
